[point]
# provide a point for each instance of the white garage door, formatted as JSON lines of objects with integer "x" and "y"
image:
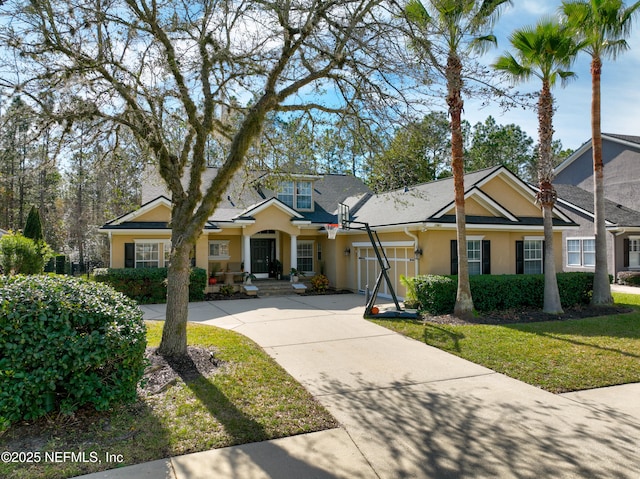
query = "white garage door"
{"x": 401, "y": 260}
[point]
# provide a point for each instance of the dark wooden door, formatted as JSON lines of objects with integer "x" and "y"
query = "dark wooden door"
{"x": 263, "y": 252}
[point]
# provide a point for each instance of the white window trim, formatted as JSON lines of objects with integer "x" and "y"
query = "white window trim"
{"x": 538, "y": 239}
{"x": 163, "y": 246}
{"x": 295, "y": 194}
{"x": 313, "y": 249}
{"x": 221, "y": 256}
{"x": 633, "y": 238}
{"x": 581, "y": 239}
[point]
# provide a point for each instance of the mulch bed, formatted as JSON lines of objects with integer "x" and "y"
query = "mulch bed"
{"x": 162, "y": 372}
{"x": 530, "y": 315}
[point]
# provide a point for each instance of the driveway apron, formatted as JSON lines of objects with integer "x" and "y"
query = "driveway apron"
{"x": 415, "y": 411}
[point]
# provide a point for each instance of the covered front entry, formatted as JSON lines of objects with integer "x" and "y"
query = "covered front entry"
{"x": 263, "y": 254}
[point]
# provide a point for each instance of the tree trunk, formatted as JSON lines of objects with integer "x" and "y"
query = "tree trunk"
{"x": 601, "y": 286}
{"x": 174, "y": 332}
{"x": 546, "y": 198}
{"x": 464, "y": 302}
{"x": 552, "y": 303}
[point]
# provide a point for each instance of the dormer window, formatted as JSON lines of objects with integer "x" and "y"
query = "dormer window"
{"x": 296, "y": 194}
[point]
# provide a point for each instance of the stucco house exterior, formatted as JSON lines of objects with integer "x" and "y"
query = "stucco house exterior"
{"x": 262, "y": 220}
{"x": 574, "y": 184}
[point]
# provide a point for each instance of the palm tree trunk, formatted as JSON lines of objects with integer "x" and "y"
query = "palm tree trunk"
{"x": 464, "y": 303}
{"x": 601, "y": 286}
{"x": 547, "y": 198}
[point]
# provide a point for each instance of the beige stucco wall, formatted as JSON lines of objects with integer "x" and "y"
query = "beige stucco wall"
{"x": 159, "y": 213}
{"x": 519, "y": 205}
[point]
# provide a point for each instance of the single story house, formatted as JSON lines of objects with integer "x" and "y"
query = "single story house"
{"x": 265, "y": 221}
{"x": 574, "y": 184}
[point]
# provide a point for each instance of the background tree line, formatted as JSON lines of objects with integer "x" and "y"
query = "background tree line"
{"x": 83, "y": 177}
{"x": 77, "y": 178}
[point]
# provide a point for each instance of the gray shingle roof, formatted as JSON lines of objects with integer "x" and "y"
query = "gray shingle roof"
{"x": 245, "y": 191}
{"x": 629, "y": 138}
{"x": 415, "y": 204}
{"x": 583, "y": 199}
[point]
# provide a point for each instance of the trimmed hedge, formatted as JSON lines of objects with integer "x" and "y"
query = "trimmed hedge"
{"x": 66, "y": 343}
{"x": 437, "y": 294}
{"x": 148, "y": 285}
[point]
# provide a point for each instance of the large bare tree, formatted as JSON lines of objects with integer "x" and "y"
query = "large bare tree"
{"x": 215, "y": 67}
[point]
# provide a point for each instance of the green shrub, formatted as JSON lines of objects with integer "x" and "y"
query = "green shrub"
{"x": 148, "y": 285}
{"x": 629, "y": 278}
{"x": 21, "y": 255}
{"x": 66, "y": 343}
{"x": 437, "y": 294}
{"x": 319, "y": 283}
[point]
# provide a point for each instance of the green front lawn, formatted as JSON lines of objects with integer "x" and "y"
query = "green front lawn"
{"x": 558, "y": 356}
{"x": 250, "y": 398}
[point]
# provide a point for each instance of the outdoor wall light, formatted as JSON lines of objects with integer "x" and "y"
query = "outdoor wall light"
{"x": 347, "y": 251}
{"x": 418, "y": 253}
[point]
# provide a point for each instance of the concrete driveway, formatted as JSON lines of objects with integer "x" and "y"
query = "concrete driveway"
{"x": 410, "y": 410}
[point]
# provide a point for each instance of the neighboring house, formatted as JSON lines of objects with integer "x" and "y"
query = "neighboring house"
{"x": 574, "y": 184}
{"x": 621, "y": 158}
{"x": 256, "y": 225}
{"x": 622, "y": 225}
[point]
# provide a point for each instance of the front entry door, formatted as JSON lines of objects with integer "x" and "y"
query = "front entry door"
{"x": 263, "y": 252}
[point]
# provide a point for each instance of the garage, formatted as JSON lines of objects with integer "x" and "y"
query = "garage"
{"x": 401, "y": 261}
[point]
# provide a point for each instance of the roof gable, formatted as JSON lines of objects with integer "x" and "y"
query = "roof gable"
{"x": 625, "y": 140}
{"x": 144, "y": 210}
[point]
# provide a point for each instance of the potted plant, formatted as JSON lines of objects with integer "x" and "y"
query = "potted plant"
{"x": 248, "y": 277}
{"x": 278, "y": 267}
{"x": 214, "y": 271}
{"x": 295, "y": 274}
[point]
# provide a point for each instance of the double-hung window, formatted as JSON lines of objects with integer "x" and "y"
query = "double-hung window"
{"x": 305, "y": 256}
{"x": 634, "y": 252}
{"x": 533, "y": 256}
{"x": 581, "y": 252}
{"x": 474, "y": 256}
{"x": 219, "y": 249}
{"x": 296, "y": 194}
{"x": 147, "y": 255}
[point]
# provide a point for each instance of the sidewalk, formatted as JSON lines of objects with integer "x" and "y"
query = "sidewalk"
{"x": 406, "y": 409}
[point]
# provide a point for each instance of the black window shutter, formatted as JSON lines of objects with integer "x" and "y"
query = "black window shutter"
{"x": 129, "y": 255}
{"x": 625, "y": 252}
{"x": 519, "y": 257}
{"x": 454, "y": 257}
{"x": 486, "y": 257}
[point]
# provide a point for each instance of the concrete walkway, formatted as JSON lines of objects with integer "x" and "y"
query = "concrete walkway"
{"x": 406, "y": 409}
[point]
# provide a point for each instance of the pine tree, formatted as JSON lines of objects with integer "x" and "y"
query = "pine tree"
{"x": 33, "y": 226}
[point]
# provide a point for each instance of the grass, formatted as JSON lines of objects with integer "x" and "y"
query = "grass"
{"x": 558, "y": 356}
{"x": 249, "y": 399}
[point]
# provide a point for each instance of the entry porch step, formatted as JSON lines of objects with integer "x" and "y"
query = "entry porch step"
{"x": 274, "y": 287}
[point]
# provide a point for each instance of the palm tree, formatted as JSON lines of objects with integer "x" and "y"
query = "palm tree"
{"x": 603, "y": 25}
{"x": 445, "y": 32}
{"x": 545, "y": 51}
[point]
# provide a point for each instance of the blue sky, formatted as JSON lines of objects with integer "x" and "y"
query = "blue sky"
{"x": 572, "y": 120}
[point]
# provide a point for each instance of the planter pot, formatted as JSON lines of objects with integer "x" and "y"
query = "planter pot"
{"x": 294, "y": 279}
{"x": 213, "y": 280}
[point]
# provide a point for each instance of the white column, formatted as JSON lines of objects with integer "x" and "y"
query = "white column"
{"x": 246, "y": 252}
{"x": 294, "y": 251}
